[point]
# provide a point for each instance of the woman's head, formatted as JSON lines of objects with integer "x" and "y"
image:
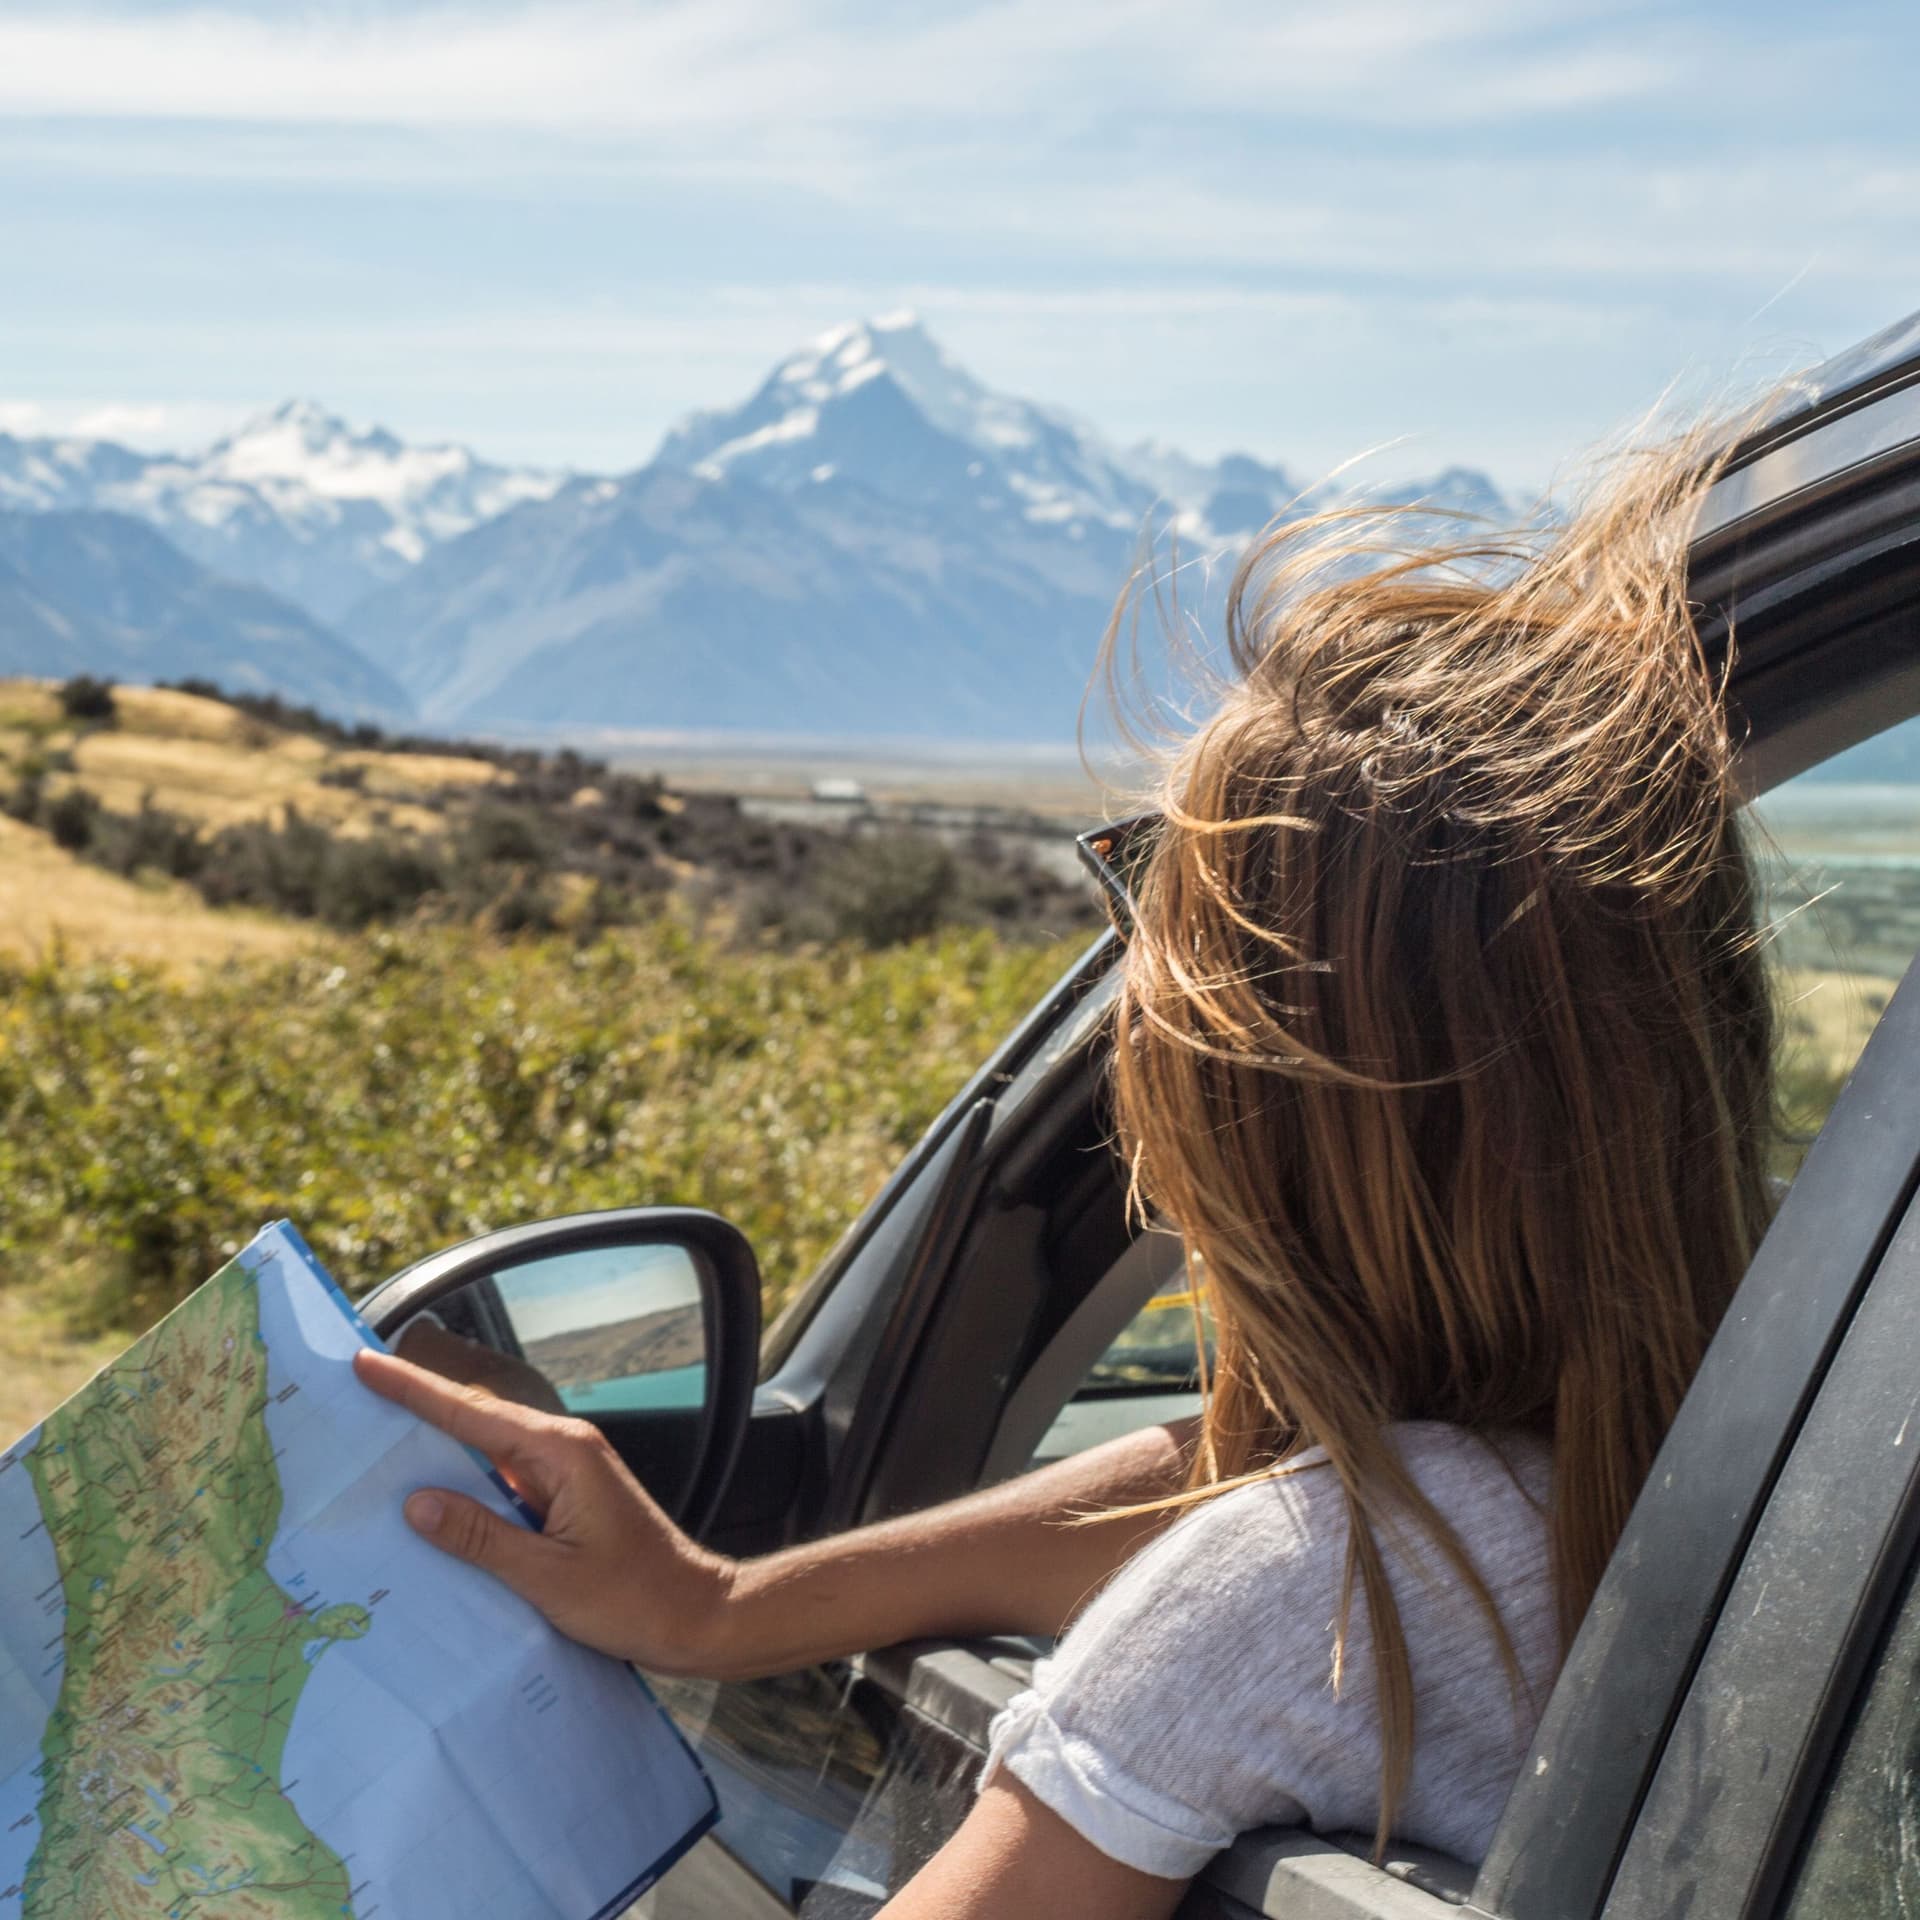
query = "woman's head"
{"x": 1444, "y": 1037}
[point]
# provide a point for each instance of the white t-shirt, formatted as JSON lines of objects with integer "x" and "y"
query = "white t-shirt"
{"x": 1194, "y": 1697}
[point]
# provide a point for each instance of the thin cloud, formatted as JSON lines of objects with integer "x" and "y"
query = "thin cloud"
{"x": 151, "y": 426}
{"x": 748, "y": 66}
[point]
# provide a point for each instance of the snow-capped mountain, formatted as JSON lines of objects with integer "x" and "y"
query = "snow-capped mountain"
{"x": 882, "y": 403}
{"x": 296, "y": 500}
{"x": 873, "y": 541}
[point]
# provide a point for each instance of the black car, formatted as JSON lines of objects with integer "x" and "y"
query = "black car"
{"x": 1737, "y": 1728}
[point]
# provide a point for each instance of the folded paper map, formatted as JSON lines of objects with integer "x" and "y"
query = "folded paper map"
{"x": 234, "y": 1684}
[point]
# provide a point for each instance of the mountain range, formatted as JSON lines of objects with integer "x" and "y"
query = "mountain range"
{"x": 872, "y": 543}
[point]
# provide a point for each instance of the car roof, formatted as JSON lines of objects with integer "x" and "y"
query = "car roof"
{"x": 1841, "y": 418}
{"x": 1892, "y": 353}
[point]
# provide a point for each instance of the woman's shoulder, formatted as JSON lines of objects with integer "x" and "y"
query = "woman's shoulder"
{"x": 1269, "y": 1556}
{"x": 1479, "y": 1482}
{"x": 1236, "y": 1607}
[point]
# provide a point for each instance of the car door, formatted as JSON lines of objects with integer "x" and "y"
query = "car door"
{"x": 1790, "y": 1779}
{"x": 963, "y": 1328}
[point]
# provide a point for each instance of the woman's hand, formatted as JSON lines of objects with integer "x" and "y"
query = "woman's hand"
{"x": 612, "y": 1570}
{"x": 609, "y": 1569}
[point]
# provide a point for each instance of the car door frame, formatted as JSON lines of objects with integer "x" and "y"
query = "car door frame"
{"x": 1750, "y": 1749}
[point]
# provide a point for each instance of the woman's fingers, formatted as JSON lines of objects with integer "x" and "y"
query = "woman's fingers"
{"x": 470, "y": 1532}
{"x": 468, "y": 1414}
{"x": 603, "y": 1535}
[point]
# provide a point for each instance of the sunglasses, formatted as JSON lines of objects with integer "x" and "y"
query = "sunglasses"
{"x": 1114, "y": 855}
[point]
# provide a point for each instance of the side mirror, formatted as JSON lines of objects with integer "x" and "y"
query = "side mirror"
{"x": 645, "y": 1320}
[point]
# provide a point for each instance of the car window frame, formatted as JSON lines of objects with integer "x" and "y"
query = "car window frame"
{"x": 1754, "y": 1739}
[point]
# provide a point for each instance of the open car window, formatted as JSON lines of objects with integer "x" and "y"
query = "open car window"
{"x": 1838, "y": 856}
{"x": 1147, "y": 1375}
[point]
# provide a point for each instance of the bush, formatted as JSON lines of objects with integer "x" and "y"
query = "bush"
{"x": 27, "y": 798}
{"x": 70, "y": 819}
{"x": 301, "y": 868}
{"x": 150, "y": 840}
{"x": 85, "y": 698}
{"x": 527, "y": 906}
{"x": 502, "y": 833}
{"x": 365, "y": 881}
{"x": 405, "y": 1090}
{"x": 883, "y": 888}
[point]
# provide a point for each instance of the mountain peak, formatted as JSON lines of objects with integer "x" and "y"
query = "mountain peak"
{"x": 304, "y": 445}
{"x": 880, "y": 402}
{"x": 846, "y": 357}
{"x": 809, "y": 392}
{"x": 313, "y": 424}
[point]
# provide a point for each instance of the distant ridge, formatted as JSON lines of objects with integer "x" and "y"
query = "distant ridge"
{"x": 873, "y": 542}
{"x": 103, "y": 593}
{"x": 295, "y": 500}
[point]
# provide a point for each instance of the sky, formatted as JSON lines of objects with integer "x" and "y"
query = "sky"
{"x": 1489, "y": 231}
{"x": 569, "y": 1292}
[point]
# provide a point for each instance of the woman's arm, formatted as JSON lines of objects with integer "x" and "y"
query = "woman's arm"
{"x": 611, "y": 1569}
{"x": 1014, "y": 1857}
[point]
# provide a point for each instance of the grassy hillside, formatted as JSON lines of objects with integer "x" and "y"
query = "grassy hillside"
{"x": 217, "y": 764}
{"x": 253, "y": 803}
{"x": 203, "y": 760}
{"x": 172, "y": 1074}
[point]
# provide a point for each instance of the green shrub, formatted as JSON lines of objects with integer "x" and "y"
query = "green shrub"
{"x": 884, "y": 888}
{"x": 151, "y": 840}
{"x": 27, "y": 798}
{"x": 410, "y": 1089}
{"x": 502, "y": 833}
{"x": 85, "y": 698}
{"x": 70, "y": 819}
{"x": 527, "y": 906}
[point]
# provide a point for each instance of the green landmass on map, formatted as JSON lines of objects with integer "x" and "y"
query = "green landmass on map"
{"x": 161, "y": 1791}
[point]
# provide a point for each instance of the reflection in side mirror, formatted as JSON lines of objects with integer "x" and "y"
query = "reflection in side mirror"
{"x": 615, "y": 1329}
{"x": 645, "y": 1320}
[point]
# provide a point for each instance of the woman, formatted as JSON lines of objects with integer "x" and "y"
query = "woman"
{"x": 1444, "y": 1044}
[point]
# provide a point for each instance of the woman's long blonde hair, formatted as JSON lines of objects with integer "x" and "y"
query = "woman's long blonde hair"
{"x": 1444, "y": 1039}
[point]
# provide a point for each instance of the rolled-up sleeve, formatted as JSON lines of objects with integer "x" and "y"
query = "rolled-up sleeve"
{"x": 1143, "y": 1732}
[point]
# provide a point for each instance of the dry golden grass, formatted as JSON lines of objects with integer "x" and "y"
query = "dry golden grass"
{"x": 49, "y": 897}
{"x": 206, "y": 760}
{"x": 1828, "y": 1016}
{"x": 28, "y": 706}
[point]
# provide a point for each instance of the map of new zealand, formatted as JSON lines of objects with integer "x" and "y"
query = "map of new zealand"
{"x": 234, "y": 1685}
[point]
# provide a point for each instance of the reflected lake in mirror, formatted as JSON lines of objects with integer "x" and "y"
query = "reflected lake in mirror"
{"x": 616, "y": 1329}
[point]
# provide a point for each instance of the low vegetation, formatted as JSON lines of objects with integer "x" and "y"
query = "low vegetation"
{"x": 353, "y": 828}
{"x": 427, "y": 1086}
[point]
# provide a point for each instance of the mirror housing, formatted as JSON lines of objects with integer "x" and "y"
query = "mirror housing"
{"x": 728, "y": 1279}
